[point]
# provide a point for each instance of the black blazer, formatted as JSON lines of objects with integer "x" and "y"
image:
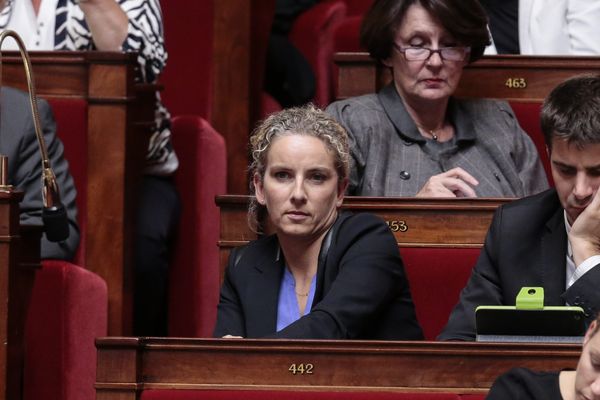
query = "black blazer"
{"x": 361, "y": 290}
{"x": 526, "y": 245}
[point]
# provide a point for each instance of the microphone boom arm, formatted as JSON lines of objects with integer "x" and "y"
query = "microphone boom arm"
{"x": 53, "y": 212}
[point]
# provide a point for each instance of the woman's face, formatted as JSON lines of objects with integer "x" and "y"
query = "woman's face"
{"x": 301, "y": 188}
{"x": 587, "y": 376}
{"x": 428, "y": 80}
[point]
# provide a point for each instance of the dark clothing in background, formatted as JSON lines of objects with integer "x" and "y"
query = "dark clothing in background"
{"x": 504, "y": 24}
{"x": 286, "y": 12}
{"x": 524, "y": 384}
{"x": 289, "y": 77}
{"x": 158, "y": 212}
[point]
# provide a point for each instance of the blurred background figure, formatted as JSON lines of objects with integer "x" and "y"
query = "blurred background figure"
{"x": 289, "y": 77}
{"x": 18, "y": 141}
{"x": 120, "y": 25}
{"x": 544, "y": 27}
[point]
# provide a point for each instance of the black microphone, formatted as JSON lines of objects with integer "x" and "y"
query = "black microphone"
{"x": 54, "y": 214}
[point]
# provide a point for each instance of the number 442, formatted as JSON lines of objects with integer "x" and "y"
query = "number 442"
{"x": 301, "y": 369}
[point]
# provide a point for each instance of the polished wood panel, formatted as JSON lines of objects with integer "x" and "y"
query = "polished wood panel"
{"x": 240, "y": 36}
{"x": 415, "y": 222}
{"x": 120, "y": 114}
{"x": 19, "y": 259}
{"x": 129, "y": 364}
{"x": 514, "y": 78}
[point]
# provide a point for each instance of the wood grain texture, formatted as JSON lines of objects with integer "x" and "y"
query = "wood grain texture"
{"x": 120, "y": 115}
{"x": 337, "y": 365}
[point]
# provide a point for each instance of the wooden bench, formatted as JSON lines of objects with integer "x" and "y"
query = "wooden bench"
{"x": 131, "y": 366}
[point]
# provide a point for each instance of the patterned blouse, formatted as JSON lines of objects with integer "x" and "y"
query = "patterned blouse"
{"x": 144, "y": 35}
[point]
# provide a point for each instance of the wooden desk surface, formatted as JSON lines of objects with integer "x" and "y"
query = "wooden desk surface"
{"x": 509, "y": 77}
{"x": 129, "y": 364}
{"x": 414, "y": 222}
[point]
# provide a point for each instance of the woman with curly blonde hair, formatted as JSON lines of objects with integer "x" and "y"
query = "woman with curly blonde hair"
{"x": 322, "y": 274}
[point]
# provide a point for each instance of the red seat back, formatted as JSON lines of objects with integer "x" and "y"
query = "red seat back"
{"x": 194, "y": 272}
{"x": 358, "y": 7}
{"x": 528, "y": 115}
{"x": 436, "y": 277}
{"x": 68, "y": 310}
{"x": 71, "y": 129}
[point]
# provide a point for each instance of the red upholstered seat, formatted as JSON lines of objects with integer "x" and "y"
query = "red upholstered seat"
{"x": 68, "y": 310}
{"x": 528, "y": 115}
{"x": 313, "y": 34}
{"x": 288, "y": 395}
{"x": 194, "y": 272}
{"x": 347, "y": 35}
{"x": 71, "y": 127}
{"x": 436, "y": 277}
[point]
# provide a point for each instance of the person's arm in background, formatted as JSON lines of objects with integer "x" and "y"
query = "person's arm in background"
{"x": 107, "y": 22}
{"x": 25, "y": 169}
{"x": 128, "y": 25}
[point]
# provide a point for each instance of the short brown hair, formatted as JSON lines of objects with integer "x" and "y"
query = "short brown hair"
{"x": 571, "y": 111}
{"x": 466, "y": 20}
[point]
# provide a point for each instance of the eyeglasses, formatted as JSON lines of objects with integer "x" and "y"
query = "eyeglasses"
{"x": 423, "y": 53}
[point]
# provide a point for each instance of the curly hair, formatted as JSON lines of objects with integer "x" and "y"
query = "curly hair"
{"x": 305, "y": 120}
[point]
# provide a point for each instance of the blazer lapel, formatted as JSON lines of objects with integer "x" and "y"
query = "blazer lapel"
{"x": 553, "y": 258}
{"x": 264, "y": 281}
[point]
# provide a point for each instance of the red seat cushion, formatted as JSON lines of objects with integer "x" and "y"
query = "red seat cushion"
{"x": 436, "y": 277}
{"x": 288, "y": 395}
{"x": 68, "y": 310}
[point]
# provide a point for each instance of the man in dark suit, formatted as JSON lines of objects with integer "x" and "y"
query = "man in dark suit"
{"x": 19, "y": 142}
{"x": 551, "y": 239}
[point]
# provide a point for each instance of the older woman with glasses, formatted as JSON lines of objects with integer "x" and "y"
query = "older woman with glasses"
{"x": 413, "y": 138}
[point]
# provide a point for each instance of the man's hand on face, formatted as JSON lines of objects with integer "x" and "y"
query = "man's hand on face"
{"x": 585, "y": 232}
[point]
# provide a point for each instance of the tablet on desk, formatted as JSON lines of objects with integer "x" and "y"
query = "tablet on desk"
{"x": 564, "y": 324}
{"x": 530, "y": 321}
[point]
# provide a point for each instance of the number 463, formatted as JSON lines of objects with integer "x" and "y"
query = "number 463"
{"x": 516, "y": 83}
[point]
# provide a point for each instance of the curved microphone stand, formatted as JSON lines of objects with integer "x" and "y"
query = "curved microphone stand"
{"x": 54, "y": 215}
